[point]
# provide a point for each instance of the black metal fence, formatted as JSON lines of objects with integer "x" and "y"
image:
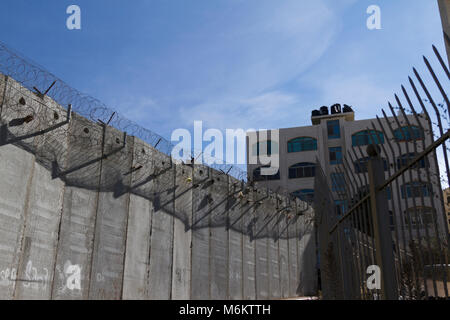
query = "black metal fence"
{"x": 383, "y": 208}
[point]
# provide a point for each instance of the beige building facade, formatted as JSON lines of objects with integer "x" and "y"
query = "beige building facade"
{"x": 447, "y": 205}
{"x": 335, "y": 135}
{"x": 444, "y": 9}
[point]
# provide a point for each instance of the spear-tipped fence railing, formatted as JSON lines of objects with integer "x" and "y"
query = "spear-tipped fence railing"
{"x": 385, "y": 208}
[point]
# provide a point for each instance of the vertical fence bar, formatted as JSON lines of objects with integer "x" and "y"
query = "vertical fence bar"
{"x": 405, "y": 194}
{"x": 406, "y": 212}
{"x": 351, "y": 230}
{"x": 396, "y": 232}
{"x": 356, "y": 222}
{"x": 402, "y": 214}
{"x": 382, "y": 233}
{"x": 445, "y": 226}
{"x": 413, "y": 138}
{"x": 365, "y": 236}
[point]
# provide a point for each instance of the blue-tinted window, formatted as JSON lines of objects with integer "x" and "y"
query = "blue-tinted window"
{"x": 405, "y": 159}
{"x": 423, "y": 216}
{"x": 306, "y": 195}
{"x": 302, "y": 144}
{"x": 388, "y": 193}
{"x": 391, "y": 221}
{"x": 408, "y": 133}
{"x": 416, "y": 190}
{"x": 302, "y": 170}
{"x": 337, "y": 182}
{"x": 258, "y": 177}
{"x": 334, "y": 130}
{"x": 361, "y": 165}
{"x": 336, "y": 155}
{"x": 341, "y": 207}
{"x": 366, "y": 137}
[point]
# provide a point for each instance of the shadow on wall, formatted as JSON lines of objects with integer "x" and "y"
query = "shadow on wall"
{"x": 98, "y": 157}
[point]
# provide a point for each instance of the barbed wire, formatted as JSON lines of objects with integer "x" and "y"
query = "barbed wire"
{"x": 35, "y": 113}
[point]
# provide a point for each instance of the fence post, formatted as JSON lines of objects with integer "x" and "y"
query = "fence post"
{"x": 380, "y": 218}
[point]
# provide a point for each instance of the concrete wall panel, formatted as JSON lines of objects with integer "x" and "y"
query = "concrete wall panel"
{"x": 262, "y": 250}
{"x": 161, "y": 251}
{"x": 218, "y": 197}
{"x": 79, "y": 208}
{"x": 112, "y": 218}
{"x": 283, "y": 248}
{"x": 273, "y": 252}
{"x": 16, "y": 170}
{"x": 40, "y": 237}
{"x": 293, "y": 257}
{"x": 181, "y": 275}
{"x": 236, "y": 210}
{"x": 200, "y": 276}
{"x": 249, "y": 267}
{"x": 137, "y": 257}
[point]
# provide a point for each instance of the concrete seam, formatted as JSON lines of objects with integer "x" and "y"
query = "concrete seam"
{"x": 97, "y": 199}
{"x": 279, "y": 256}
{"x": 55, "y": 257}
{"x": 60, "y": 220}
{"x": 25, "y": 216}
{"x": 126, "y": 223}
{"x": 288, "y": 261}
{"x": 173, "y": 230}
{"x": 152, "y": 211}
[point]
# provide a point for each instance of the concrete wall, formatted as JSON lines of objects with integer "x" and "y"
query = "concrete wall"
{"x": 87, "y": 212}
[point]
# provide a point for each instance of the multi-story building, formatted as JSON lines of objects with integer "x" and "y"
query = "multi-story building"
{"x": 444, "y": 9}
{"x": 447, "y": 205}
{"x": 335, "y": 135}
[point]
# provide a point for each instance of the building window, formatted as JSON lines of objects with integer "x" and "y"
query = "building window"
{"x": 408, "y": 133}
{"x": 366, "y": 137}
{"x": 391, "y": 221}
{"x": 335, "y": 155}
{"x": 361, "y": 165}
{"x": 338, "y": 182}
{"x": 261, "y": 147}
{"x": 302, "y": 144}
{"x": 388, "y": 193}
{"x": 334, "y": 130}
{"x": 416, "y": 189}
{"x": 306, "y": 195}
{"x": 258, "y": 177}
{"x": 341, "y": 207}
{"x": 405, "y": 159}
{"x": 422, "y": 216}
{"x": 302, "y": 170}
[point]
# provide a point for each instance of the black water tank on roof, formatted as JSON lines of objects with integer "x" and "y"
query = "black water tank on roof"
{"x": 324, "y": 110}
{"x": 335, "y": 108}
{"x": 315, "y": 113}
{"x": 347, "y": 108}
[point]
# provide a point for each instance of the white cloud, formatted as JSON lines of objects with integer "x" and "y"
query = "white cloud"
{"x": 263, "y": 111}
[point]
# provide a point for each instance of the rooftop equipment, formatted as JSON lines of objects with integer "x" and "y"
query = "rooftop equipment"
{"x": 335, "y": 108}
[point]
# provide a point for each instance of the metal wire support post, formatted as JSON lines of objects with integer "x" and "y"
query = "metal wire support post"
{"x": 380, "y": 217}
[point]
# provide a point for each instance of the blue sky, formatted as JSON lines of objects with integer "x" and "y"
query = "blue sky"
{"x": 231, "y": 63}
